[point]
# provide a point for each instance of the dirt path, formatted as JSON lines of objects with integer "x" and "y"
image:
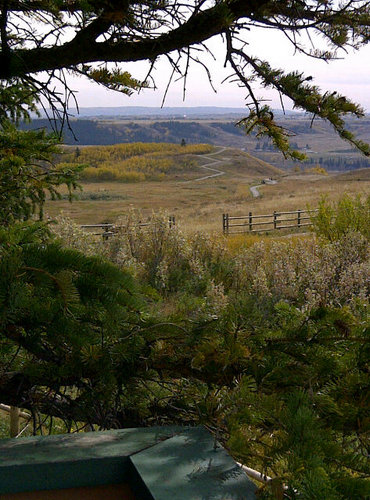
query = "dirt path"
{"x": 213, "y": 161}
{"x": 254, "y": 189}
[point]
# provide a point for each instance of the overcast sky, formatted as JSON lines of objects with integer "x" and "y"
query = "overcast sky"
{"x": 349, "y": 76}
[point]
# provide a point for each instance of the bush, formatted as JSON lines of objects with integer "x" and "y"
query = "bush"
{"x": 317, "y": 169}
{"x": 334, "y": 220}
{"x": 303, "y": 272}
{"x": 72, "y": 235}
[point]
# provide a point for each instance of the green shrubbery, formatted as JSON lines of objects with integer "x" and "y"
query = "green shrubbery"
{"x": 267, "y": 346}
{"x": 27, "y": 172}
{"x": 349, "y": 214}
{"x": 274, "y": 338}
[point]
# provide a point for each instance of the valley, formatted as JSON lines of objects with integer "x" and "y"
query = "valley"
{"x": 316, "y": 139}
{"x": 199, "y": 205}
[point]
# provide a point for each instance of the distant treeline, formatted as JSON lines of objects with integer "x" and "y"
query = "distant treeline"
{"x": 340, "y": 162}
{"x": 93, "y": 132}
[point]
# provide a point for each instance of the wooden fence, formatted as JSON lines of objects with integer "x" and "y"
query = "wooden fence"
{"x": 271, "y": 222}
{"x": 108, "y": 230}
{"x": 15, "y": 415}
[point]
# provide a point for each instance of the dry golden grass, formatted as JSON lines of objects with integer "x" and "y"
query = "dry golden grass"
{"x": 301, "y": 191}
{"x": 200, "y": 205}
{"x": 241, "y": 241}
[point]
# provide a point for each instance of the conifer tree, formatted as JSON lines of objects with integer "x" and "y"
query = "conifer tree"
{"x": 27, "y": 170}
{"x": 64, "y": 316}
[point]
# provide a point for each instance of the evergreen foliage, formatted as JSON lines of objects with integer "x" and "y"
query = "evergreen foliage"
{"x": 339, "y": 162}
{"x": 301, "y": 409}
{"x": 68, "y": 325}
{"x": 27, "y": 172}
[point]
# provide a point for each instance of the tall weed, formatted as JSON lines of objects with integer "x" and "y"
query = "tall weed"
{"x": 305, "y": 272}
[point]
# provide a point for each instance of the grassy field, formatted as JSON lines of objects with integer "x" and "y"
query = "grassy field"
{"x": 200, "y": 204}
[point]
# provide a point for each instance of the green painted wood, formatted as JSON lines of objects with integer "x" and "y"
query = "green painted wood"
{"x": 59, "y": 475}
{"x": 72, "y": 460}
{"x": 159, "y": 463}
{"x": 192, "y": 466}
{"x": 81, "y": 446}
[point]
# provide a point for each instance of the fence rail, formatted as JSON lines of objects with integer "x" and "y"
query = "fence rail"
{"x": 257, "y": 223}
{"x": 108, "y": 230}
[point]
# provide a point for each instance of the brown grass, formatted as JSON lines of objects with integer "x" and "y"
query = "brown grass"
{"x": 200, "y": 205}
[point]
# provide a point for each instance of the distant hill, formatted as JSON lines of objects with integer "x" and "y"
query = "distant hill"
{"x": 154, "y": 112}
{"x": 106, "y": 132}
{"x": 361, "y": 174}
{"x": 319, "y": 141}
{"x": 248, "y": 165}
{"x": 138, "y": 162}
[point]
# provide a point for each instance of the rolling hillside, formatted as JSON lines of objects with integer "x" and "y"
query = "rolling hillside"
{"x": 198, "y": 189}
{"x": 139, "y": 162}
{"x": 136, "y": 161}
{"x": 319, "y": 142}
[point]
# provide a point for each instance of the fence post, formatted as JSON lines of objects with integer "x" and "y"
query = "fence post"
{"x": 299, "y": 218}
{"x": 275, "y": 219}
{"x": 14, "y": 421}
{"x": 105, "y": 236}
{"x": 250, "y": 221}
{"x": 225, "y": 223}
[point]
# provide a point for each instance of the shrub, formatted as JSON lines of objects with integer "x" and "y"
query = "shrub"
{"x": 333, "y": 220}
{"x": 317, "y": 169}
{"x": 72, "y": 235}
{"x": 154, "y": 250}
{"x": 304, "y": 272}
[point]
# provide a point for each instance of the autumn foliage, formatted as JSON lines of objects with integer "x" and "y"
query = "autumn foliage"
{"x": 134, "y": 162}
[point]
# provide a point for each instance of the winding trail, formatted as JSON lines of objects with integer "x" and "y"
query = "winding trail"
{"x": 254, "y": 189}
{"x": 207, "y": 166}
{"x": 214, "y": 161}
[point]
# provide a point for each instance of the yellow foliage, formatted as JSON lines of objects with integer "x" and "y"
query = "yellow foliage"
{"x": 316, "y": 170}
{"x": 94, "y": 155}
{"x": 237, "y": 242}
{"x": 111, "y": 174}
{"x": 133, "y": 162}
